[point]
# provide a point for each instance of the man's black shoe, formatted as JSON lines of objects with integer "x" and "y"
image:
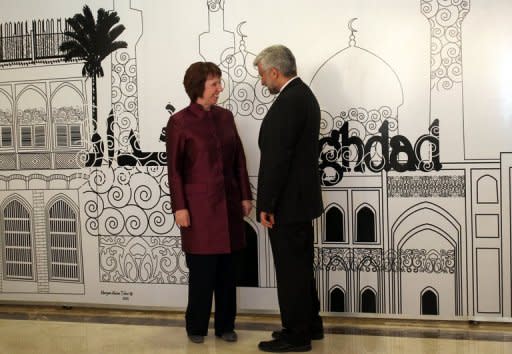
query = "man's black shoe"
{"x": 282, "y": 346}
{"x": 314, "y": 336}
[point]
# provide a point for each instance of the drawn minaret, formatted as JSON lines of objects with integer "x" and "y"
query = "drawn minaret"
{"x": 216, "y": 44}
{"x": 446, "y": 91}
{"x": 124, "y": 79}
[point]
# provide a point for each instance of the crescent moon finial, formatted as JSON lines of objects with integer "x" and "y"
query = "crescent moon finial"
{"x": 239, "y": 29}
{"x": 351, "y": 25}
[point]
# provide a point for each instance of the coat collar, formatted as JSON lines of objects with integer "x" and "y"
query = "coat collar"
{"x": 199, "y": 111}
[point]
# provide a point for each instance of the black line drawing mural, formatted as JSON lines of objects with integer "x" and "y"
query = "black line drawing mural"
{"x": 63, "y": 231}
{"x": 152, "y": 260}
{"x": 246, "y": 97}
{"x": 249, "y": 101}
{"x": 46, "y": 133}
{"x": 368, "y": 116}
{"x": 37, "y": 42}
{"x": 128, "y": 208}
{"x": 351, "y": 140}
{"x": 42, "y": 237}
{"x": 405, "y": 250}
{"x": 445, "y": 19}
{"x": 92, "y": 40}
{"x": 410, "y": 227}
{"x": 426, "y": 186}
{"x": 18, "y": 241}
{"x": 130, "y": 211}
{"x": 106, "y": 213}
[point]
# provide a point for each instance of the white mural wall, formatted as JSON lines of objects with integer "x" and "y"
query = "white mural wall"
{"x": 415, "y": 156}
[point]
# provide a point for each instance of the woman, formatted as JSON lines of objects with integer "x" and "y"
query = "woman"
{"x": 210, "y": 195}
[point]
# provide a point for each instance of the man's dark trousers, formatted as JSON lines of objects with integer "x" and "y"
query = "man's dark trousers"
{"x": 293, "y": 252}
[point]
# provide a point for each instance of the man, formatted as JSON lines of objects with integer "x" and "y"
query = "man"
{"x": 289, "y": 197}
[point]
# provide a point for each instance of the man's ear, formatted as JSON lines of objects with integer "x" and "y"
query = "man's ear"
{"x": 274, "y": 72}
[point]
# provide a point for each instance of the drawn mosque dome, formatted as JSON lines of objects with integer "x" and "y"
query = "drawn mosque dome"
{"x": 358, "y": 86}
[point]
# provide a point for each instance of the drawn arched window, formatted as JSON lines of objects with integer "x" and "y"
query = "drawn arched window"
{"x": 365, "y": 225}
{"x": 248, "y": 264}
{"x": 32, "y": 118}
{"x": 6, "y": 122}
{"x": 487, "y": 190}
{"x": 429, "y": 303}
{"x": 334, "y": 220}
{"x": 64, "y": 243}
{"x": 68, "y": 117}
{"x": 368, "y": 301}
{"x": 18, "y": 252}
{"x": 337, "y": 300}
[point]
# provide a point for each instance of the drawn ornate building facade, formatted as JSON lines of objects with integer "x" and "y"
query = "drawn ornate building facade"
{"x": 414, "y": 238}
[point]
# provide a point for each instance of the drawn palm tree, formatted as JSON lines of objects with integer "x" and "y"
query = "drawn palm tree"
{"x": 93, "y": 40}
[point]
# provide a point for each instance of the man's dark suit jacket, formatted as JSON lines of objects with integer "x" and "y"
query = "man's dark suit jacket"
{"x": 289, "y": 181}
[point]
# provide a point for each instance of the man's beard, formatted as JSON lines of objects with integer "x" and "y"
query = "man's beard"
{"x": 273, "y": 90}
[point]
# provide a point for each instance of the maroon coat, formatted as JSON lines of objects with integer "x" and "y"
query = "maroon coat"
{"x": 208, "y": 176}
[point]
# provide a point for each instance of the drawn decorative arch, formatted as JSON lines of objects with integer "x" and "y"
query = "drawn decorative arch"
{"x": 366, "y": 226}
{"x": 368, "y": 300}
{"x": 429, "y": 301}
{"x": 68, "y": 122}
{"x": 31, "y": 88}
{"x": 335, "y": 263}
{"x": 17, "y": 240}
{"x": 32, "y": 130}
{"x": 337, "y": 302}
{"x": 487, "y": 190}
{"x": 334, "y": 224}
{"x": 445, "y": 226}
{"x": 67, "y": 84}
{"x": 64, "y": 243}
{"x": 6, "y": 120}
{"x": 7, "y": 96}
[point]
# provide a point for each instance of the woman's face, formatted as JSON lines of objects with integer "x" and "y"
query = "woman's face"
{"x": 211, "y": 93}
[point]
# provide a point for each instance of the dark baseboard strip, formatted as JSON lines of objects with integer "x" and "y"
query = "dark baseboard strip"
{"x": 430, "y": 333}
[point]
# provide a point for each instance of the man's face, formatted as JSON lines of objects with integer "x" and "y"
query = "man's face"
{"x": 269, "y": 79}
{"x": 212, "y": 89}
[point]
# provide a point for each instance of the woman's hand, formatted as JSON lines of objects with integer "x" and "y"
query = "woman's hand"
{"x": 246, "y": 207}
{"x": 182, "y": 218}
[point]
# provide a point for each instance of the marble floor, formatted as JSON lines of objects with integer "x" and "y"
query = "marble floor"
{"x": 54, "y": 330}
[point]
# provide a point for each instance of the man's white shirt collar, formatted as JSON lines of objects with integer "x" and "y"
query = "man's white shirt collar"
{"x": 287, "y": 82}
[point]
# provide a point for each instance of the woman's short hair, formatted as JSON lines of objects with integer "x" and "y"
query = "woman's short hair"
{"x": 195, "y": 77}
{"x": 279, "y": 57}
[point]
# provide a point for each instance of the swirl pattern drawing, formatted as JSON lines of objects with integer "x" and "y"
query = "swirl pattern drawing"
{"x": 246, "y": 97}
{"x": 129, "y": 202}
{"x": 445, "y": 18}
{"x": 375, "y": 260}
{"x": 149, "y": 260}
{"x": 215, "y": 5}
{"x": 124, "y": 98}
{"x": 363, "y": 123}
{"x": 426, "y": 187}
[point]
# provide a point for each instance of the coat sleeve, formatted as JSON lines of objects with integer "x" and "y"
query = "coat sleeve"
{"x": 280, "y": 145}
{"x": 175, "y": 145}
{"x": 241, "y": 166}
